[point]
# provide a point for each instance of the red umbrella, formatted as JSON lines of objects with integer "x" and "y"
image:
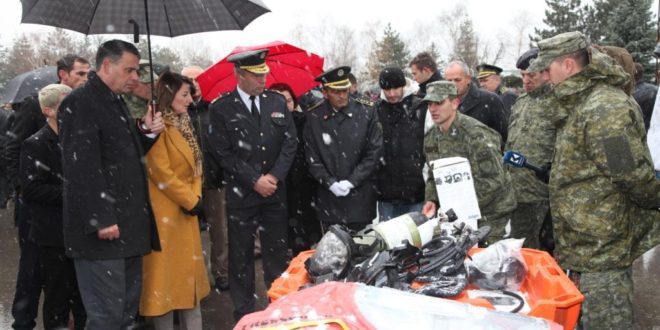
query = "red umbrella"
{"x": 288, "y": 64}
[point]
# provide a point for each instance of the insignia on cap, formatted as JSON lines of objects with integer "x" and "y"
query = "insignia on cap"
{"x": 340, "y": 72}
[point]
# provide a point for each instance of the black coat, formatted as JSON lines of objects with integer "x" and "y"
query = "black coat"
{"x": 344, "y": 145}
{"x": 400, "y": 179}
{"x": 105, "y": 180}
{"x": 40, "y": 174}
{"x": 645, "y": 94}
{"x": 6, "y": 120}
{"x": 245, "y": 151}
{"x": 508, "y": 100}
{"x": 436, "y": 76}
{"x": 199, "y": 117}
{"x": 28, "y": 119}
{"x": 487, "y": 108}
{"x": 304, "y": 227}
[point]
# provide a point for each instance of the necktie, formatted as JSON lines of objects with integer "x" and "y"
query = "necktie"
{"x": 253, "y": 109}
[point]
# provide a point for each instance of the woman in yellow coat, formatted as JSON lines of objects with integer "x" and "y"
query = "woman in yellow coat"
{"x": 175, "y": 279}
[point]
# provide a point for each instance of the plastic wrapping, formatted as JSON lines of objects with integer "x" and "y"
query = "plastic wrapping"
{"x": 501, "y": 266}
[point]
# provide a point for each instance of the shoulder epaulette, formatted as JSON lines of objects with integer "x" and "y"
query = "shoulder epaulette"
{"x": 364, "y": 101}
{"x": 219, "y": 97}
{"x": 316, "y": 105}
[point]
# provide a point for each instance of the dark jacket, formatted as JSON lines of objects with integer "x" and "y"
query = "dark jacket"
{"x": 301, "y": 185}
{"x": 246, "y": 150}
{"x": 508, "y": 99}
{"x": 6, "y": 120}
{"x": 645, "y": 94}
{"x": 40, "y": 175}
{"x": 487, "y": 108}
{"x": 422, "y": 87}
{"x": 28, "y": 119}
{"x": 199, "y": 118}
{"x": 400, "y": 179}
{"x": 344, "y": 145}
{"x": 105, "y": 180}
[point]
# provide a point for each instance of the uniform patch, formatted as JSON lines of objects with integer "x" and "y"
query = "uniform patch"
{"x": 620, "y": 159}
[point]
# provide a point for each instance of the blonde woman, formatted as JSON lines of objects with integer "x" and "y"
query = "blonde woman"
{"x": 175, "y": 278}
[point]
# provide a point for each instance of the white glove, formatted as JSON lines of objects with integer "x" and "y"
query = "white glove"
{"x": 337, "y": 189}
{"x": 347, "y": 185}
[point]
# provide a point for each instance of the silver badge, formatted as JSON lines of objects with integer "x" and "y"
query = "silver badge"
{"x": 340, "y": 72}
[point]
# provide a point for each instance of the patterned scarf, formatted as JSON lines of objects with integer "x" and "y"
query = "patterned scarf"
{"x": 182, "y": 123}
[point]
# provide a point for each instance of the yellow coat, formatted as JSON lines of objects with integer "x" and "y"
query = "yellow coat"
{"x": 174, "y": 278}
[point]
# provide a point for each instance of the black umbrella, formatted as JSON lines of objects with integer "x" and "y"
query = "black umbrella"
{"x": 28, "y": 83}
{"x": 168, "y": 18}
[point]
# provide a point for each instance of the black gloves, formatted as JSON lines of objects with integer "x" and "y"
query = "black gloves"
{"x": 197, "y": 210}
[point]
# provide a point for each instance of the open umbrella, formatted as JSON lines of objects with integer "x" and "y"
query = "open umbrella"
{"x": 288, "y": 64}
{"x": 28, "y": 83}
{"x": 169, "y": 18}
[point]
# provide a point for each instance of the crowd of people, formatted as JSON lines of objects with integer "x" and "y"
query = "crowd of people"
{"x": 112, "y": 190}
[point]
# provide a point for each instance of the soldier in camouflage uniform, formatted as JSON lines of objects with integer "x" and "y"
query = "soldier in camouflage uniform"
{"x": 603, "y": 193}
{"x": 532, "y": 134}
{"x": 458, "y": 135}
{"x": 138, "y": 100}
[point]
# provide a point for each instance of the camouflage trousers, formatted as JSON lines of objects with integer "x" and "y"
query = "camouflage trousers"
{"x": 526, "y": 222}
{"x": 607, "y": 300}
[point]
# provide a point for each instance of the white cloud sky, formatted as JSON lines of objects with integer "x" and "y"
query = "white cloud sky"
{"x": 490, "y": 19}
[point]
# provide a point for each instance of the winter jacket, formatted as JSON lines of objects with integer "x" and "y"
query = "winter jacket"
{"x": 487, "y": 108}
{"x": 344, "y": 145}
{"x": 105, "y": 182}
{"x": 400, "y": 178}
{"x": 603, "y": 192}
{"x": 174, "y": 278}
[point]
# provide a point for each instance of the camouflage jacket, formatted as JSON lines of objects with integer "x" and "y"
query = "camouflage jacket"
{"x": 469, "y": 138}
{"x": 136, "y": 105}
{"x": 602, "y": 185}
{"x": 532, "y": 134}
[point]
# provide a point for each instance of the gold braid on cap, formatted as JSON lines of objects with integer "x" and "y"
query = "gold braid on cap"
{"x": 256, "y": 66}
{"x": 341, "y": 83}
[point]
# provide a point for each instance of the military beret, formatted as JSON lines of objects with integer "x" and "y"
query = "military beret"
{"x": 437, "y": 91}
{"x": 252, "y": 60}
{"x": 526, "y": 57}
{"x": 561, "y": 44}
{"x": 336, "y": 78}
{"x": 391, "y": 77}
{"x": 485, "y": 70}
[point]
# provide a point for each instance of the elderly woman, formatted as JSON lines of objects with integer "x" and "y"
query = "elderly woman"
{"x": 175, "y": 279}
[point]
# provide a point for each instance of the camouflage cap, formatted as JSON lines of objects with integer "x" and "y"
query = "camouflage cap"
{"x": 559, "y": 45}
{"x": 144, "y": 71}
{"x": 437, "y": 91}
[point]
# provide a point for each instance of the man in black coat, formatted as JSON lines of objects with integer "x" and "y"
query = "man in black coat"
{"x": 108, "y": 221}
{"x": 401, "y": 114}
{"x": 490, "y": 79}
{"x": 479, "y": 104}
{"x": 40, "y": 174}
{"x": 424, "y": 70}
{"x": 343, "y": 145}
{"x": 72, "y": 71}
{"x": 252, "y": 136}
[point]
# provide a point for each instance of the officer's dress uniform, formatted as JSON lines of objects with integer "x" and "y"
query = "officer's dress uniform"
{"x": 247, "y": 147}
